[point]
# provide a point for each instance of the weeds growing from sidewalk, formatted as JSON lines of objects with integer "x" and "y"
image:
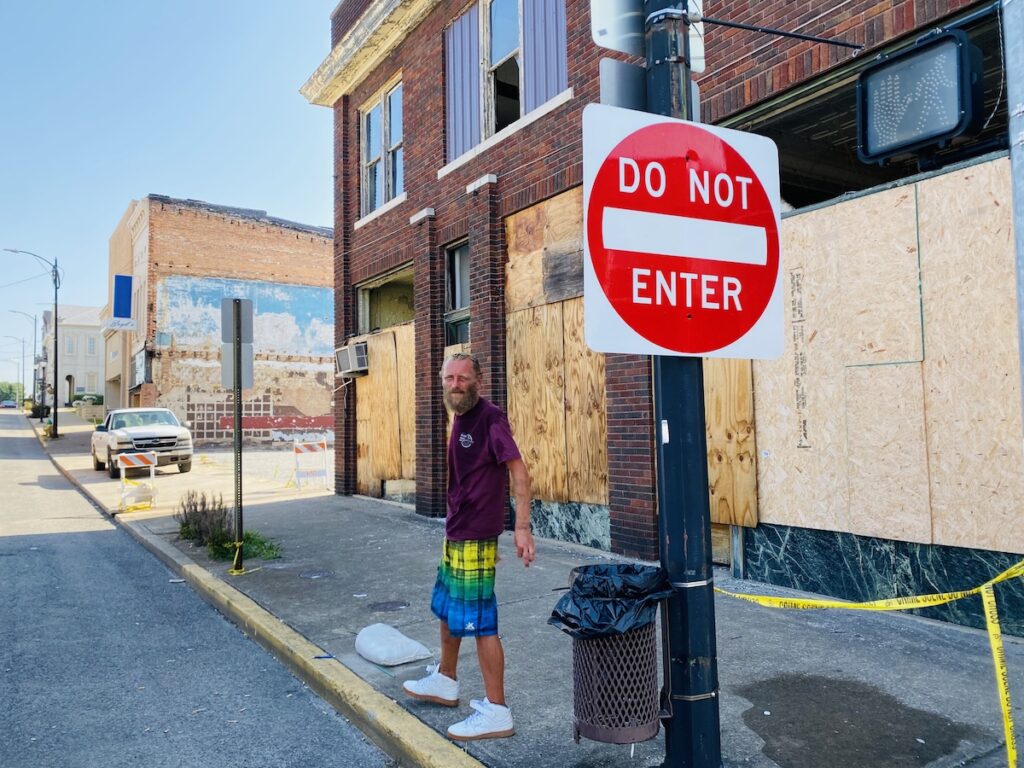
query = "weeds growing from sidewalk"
{"x": 206, "y": 522}
{"x": 254, "y": 544}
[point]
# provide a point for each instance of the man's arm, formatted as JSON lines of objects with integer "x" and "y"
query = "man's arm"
{"x": 521, "y": 492}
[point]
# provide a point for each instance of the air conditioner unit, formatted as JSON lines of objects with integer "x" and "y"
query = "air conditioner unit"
{"x": 352, "y": 359}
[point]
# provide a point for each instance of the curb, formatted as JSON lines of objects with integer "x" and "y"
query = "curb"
{"x": 401, "y": 735}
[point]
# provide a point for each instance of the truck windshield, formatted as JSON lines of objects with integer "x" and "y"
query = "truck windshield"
{"x": 142, "y": 419}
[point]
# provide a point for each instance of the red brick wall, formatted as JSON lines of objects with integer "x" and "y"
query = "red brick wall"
{"x": 537, "y": 162}
{"x": 747, "y": 67}
{"x": 344, "y": 16}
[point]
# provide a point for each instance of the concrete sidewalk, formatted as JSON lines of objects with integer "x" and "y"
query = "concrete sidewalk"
{"x": 798, "y": 689}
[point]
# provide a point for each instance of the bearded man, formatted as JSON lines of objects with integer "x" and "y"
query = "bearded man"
{"x": 482, "y": 454}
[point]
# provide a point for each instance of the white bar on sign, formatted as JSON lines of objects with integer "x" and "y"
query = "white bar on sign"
{"x": 660, "y": 233}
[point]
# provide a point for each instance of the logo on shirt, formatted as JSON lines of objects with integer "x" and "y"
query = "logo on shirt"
{"x": 466, "y": 440}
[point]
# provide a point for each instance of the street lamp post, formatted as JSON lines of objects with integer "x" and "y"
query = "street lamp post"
{"x": 55, "y": 274}
{"x": 33, "y": 319}
{"x": 21, "y": 367}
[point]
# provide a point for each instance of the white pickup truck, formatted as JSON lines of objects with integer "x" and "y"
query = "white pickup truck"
{"x": 135, "y": 430}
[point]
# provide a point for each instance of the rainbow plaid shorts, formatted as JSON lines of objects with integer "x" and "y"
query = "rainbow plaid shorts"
{"x": 463, "y": 594}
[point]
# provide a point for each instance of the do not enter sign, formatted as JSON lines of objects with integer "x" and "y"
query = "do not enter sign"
{"x": 681, "y": 237}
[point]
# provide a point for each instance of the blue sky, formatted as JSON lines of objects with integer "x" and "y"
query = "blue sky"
{"x": 107, "y": 101}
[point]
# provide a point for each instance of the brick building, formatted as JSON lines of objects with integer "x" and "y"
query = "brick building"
{"x": 184, "y": 256}
{"x": 458, "y": 218}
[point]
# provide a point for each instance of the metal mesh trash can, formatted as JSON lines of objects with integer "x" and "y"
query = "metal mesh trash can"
{"x": 610, "y": 613}
{"x": 615, "y": 687}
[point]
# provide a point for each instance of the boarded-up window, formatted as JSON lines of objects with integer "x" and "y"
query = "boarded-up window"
{"x": 462, "y": 82}
{"x": 546, "y": 73}
{"x": 524, "y": 65}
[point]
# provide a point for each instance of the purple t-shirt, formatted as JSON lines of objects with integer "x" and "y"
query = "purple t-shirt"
{"x": 480, "y": 444}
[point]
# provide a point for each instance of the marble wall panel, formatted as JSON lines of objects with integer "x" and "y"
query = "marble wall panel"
{"x": 862, "y": 568}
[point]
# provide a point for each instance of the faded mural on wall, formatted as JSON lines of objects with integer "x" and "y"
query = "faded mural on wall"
{"x": 287, "y": 319}
{"x": 293, "y": 344}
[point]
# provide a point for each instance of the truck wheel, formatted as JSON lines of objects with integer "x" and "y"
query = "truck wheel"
{"x": 185, "y": 466}
{"x": 112, "y": 468}
{"x": 96, "y": 463}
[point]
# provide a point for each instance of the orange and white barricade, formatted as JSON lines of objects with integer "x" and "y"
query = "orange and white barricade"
{"x": 137, "y": 494}
{"x": 310, "y": 462}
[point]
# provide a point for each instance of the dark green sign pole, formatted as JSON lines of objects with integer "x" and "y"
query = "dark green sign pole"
{"x": 692, "y": 733}
{"x": 237, "y": 567}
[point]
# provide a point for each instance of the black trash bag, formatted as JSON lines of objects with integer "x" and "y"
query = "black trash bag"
{"x": 609, "y": 599}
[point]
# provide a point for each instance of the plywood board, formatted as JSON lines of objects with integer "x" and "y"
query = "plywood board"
{"x": 366, "y": 482}
{"x": 801, "y": 418}
{"x": 563, "y": 221}
{"x": 383, "y": 403}
{"x": 721, "y": 544}
{"x": 543, "y": 243}
{"x": 874, "y": 242}
{"x": 732, "y": 463}
{"x": 971, "y": 370}
{"x": 524, "y": 240}
{"x": 405, "y": 346}
{"x": 586, "y": 416}
{"x": 536, "y": 396}
{"x": 887, "y": 464}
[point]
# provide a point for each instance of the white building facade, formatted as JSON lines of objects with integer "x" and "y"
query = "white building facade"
{"x": 80, "y": 353}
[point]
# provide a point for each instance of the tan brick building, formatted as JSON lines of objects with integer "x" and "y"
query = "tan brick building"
{"x": 184, "y": 256}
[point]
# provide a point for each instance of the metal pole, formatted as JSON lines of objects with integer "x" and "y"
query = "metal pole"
{"x": 1013, "y": 33}
{"x": 692, "y": 732}
{"x": 33, "y": 319}
{"x": 238, "y": 567}
{"x": 56, "y": 387}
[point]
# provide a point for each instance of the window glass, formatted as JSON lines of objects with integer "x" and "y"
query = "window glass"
{"x": 458, "y": 277}
{"x": 374, "y": 186}
{"x": 464, "y": 275}
{"x": 504, "y": 20}
{"x": 395, "y": 117}
{"x": 397, "y": 173}
{"x": 373, "y": 137}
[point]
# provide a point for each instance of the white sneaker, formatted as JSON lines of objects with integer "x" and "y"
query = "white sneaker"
{"x": 488, "y": 721}
{"x": 435, "y": 687}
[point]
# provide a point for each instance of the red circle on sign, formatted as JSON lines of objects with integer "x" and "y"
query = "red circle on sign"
{"x": 700, "y": 297}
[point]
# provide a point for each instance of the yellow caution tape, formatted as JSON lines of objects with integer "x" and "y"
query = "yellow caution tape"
{"x": 988, "y": 599}
{"x": 995, "y": 639}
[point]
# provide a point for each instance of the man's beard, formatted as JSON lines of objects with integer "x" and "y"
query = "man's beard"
{"x": 470, "y": 397}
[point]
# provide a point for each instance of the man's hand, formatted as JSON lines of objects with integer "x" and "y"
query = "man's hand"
{"x": 524, "y": 546}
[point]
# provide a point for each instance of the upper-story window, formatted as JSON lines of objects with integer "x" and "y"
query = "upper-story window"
{"x": 70, "y": 345}
{"x": 503, "y": 59}
{"x": 383, "y": 173}
{"x": 90, "y": 347}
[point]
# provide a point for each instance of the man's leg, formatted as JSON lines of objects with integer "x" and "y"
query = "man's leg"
{"x": 449, "y": 652}
{"x": 492, "y": 667}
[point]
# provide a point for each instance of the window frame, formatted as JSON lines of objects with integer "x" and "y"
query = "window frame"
{"x": 388, "y": 149}
{"x": 487, "y": 69}
{"x": 455, "y": 317}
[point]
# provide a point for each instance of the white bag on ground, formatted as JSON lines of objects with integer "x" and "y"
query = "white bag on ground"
{"x": 383, "y": 644}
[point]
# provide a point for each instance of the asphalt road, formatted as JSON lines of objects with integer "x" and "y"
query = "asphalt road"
{"x": 107, "y": 660}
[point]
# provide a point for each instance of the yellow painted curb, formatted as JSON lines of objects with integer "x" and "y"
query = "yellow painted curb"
{"x": 402, "y": 735}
